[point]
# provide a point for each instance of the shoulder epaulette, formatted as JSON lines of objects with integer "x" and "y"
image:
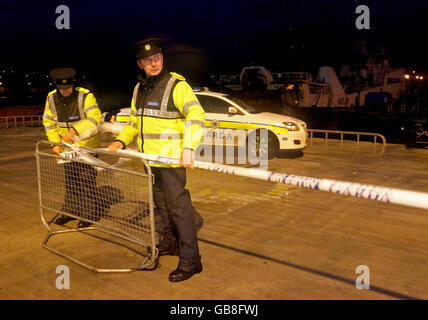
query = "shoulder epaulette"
{"x": 178, "y": 76}
{"x": 82, "y": 89}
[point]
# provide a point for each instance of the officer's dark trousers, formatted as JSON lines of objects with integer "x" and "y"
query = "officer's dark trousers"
{"x": 174, "y": 205}
{"x": 80, "y": 190}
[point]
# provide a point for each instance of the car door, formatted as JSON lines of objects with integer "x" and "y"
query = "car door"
{"x": 222, "y": 127}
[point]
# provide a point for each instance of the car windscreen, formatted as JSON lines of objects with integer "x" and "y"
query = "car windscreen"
{"x": 242, "y": 104}
{"x": 212, "y": 104}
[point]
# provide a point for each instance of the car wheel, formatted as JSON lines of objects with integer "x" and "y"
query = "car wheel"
{"x": 262, "y": 144}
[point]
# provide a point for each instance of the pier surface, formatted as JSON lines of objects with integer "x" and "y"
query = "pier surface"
{"x": 260, "y": 240}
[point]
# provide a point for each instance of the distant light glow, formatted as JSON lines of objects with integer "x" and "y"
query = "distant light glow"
{"x": 407, "y": 76}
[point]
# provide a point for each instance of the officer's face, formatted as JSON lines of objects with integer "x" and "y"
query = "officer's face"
{"x": 66, "y": 92}
{"x": 152, "y": 65}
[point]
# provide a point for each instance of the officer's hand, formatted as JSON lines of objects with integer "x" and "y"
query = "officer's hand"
{"x": 69, "y": 136}
{"x": 57, "y": 150}
{"x": 187, "y": 158}
{"x": 117, "y": 145}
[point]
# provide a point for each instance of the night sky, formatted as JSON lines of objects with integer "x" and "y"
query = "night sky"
{"x": 207, "y": 37}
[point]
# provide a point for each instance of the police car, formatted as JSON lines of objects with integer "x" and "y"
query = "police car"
{"x": 232, "y": 122}
{"x": 225, "y": 115}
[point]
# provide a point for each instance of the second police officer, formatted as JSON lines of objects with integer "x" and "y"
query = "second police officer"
{"x": 72, "y": 115}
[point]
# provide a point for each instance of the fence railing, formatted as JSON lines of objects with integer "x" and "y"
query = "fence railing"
{"x": 341, "y": 135}
{"x": 22, "y": 121}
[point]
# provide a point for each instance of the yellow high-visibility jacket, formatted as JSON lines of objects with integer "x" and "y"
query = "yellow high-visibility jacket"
{"x": 83, "y": 115}
{"x": 166, "y": 118}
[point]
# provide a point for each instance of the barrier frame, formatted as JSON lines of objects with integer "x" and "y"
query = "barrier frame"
{"x": 148, "y": 262}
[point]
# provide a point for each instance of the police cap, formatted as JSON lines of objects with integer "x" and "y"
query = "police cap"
{"x": 148, "y": 47}
{"x": 63, "y": 77}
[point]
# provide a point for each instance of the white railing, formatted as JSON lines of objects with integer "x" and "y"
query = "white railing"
{"x": 343, "y": 133}
{"x": 340, "y": 135}
{"x": 291, "y": 76}
{"x": 25, "y": 121}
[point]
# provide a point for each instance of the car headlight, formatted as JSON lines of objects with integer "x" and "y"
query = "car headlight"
{"x": 291, "y": 126}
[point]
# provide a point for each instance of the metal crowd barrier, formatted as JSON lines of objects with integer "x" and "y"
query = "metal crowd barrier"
{"x": 113, "y": 195}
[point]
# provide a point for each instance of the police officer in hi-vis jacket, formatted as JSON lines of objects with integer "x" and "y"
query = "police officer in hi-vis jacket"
{"x": 72, "y": 114}
{"x": 167, "y": 120}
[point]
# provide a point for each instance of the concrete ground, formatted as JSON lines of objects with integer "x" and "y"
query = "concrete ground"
{"x": 260, "y": 240}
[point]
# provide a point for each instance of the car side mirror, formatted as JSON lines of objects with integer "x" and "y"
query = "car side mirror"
{"x": 233, "y": 110}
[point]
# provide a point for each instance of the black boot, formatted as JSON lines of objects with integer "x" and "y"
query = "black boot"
{"x": 63, "y": 219}
{"x": 180, "y": 275}
{"x": 83, "y": 224}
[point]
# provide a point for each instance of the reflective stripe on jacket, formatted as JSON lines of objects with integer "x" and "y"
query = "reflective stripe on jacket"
{"x": 164, "y": 126}
{"x": 82, "y": 115}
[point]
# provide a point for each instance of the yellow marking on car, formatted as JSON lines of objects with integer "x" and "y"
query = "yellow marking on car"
{"x": 246, "y": 126}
